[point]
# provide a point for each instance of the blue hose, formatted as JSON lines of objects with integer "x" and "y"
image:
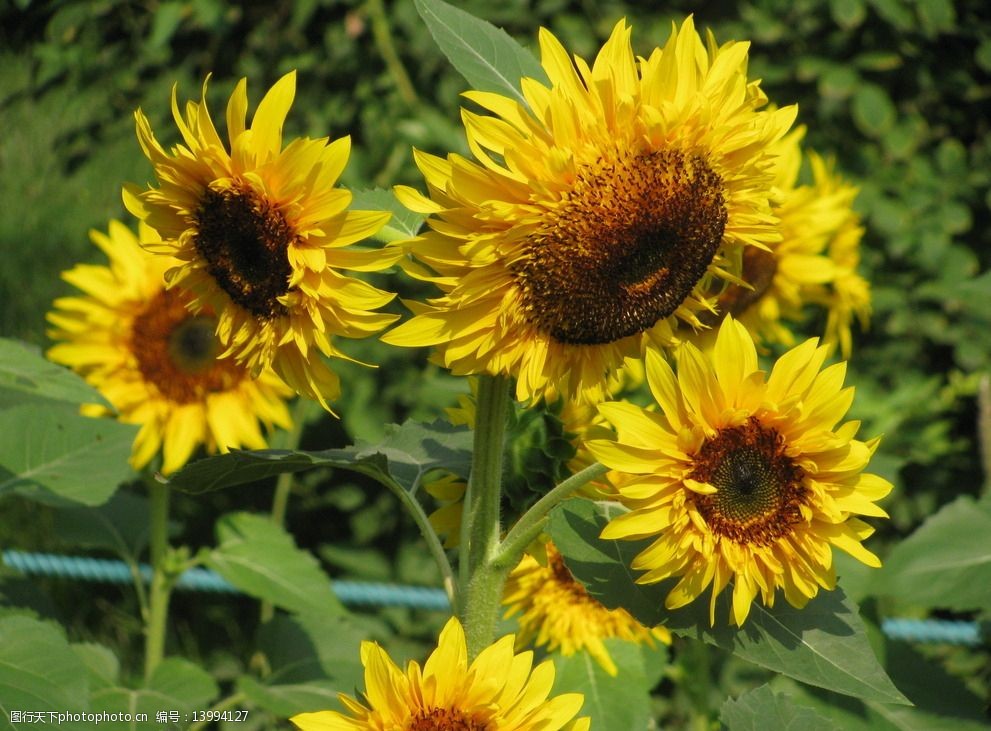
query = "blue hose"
{"x": 929, "y": 631}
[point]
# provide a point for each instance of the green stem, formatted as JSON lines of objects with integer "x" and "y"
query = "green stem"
{"x": 482, "y": 582}
{"x": 434, "y": 545}
{"x": 528, "y": 527}
{"x": 984, "y": 427}
{"x": 382, "y": 34}
{"x": 161, "y": 580}
{"x": 283, "y": 485}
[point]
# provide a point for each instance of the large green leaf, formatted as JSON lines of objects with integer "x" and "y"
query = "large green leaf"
{"x": 176, "y": 685}
{"x": 119, "y": 525}
{"x": 407, "y": 452}
{"x": 38, "y": 669}
{"x": 312, "y": 646}
{"x": 762, "y": 708}
{"x": 261, "y": 559}
{"x": 823, "y": 644}
{"x": 291, "y": 698}
{"x": 55, "y": 454}
{"x": 620, "y": 702}
{"x": 946, "y": 563}
{"x": 26, "y": 377}
{"x": 488, "y": 58}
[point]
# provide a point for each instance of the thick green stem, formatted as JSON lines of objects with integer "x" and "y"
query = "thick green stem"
{"x": 161, "y": 580}
{"x": 528, "y": 527}
{"x": 481, "y": 581}
{"x": 283, "y": 485}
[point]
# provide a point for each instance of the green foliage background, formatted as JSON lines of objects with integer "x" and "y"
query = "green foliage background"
{"x": 898, "y": 91}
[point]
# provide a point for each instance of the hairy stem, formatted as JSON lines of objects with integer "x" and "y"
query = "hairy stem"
{"x": 482, "y": 581}
{"x": 161, "y": 580}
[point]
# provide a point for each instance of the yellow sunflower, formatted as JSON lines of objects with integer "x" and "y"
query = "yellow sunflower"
{"x": 742, "y": 477}
{"x": 814, "y": 263}
{"x": 156, "y": 362}
{"x": 596, "y": 216}
{"x": 556, "y": 611}
{"x": 261, "y": 235}
{"x": 496, "y": 692}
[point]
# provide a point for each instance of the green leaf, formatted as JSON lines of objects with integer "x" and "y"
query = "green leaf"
{"x": 488, "y": 58}
{"x": 620, "y": 702}
{"x": 55, "y": 451}
{"x": 27, "y": 377}
{"x": 762, "y": 708}
{"x": 405, "y": 455}
{"x": 945, "y": 563}
{"x": 404, "y": 224}
{"x": 38, "y": 669}
{"x": 119, "y": 525}
{"x": 102, "y": 666}
{"x": 175, "y": 685}
{"x": 872, "y": 110}
{"x": 290, "y": 699}
{"x": 848, "y": 13}
{"x": 313, "y": 646}
{"x": 261, "y": 559}
{"x": 823, "y": 644}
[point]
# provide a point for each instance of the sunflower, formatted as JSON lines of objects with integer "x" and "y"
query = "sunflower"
{"x": 814, "y": 263}
{"x": 496, "y": 692}
{"x": 597, "y": 216}
{"x": 261, "y": 236}
{"x": 156, "y": 362}
{"x": 556, "y": 612}
{"x": 742, "y": 477}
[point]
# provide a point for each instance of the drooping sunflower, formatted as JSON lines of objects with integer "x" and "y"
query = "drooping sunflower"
{"x": 262, "y": 236}
{"x": 815, "y": 262}
{"x": 495, "y": 692}
{"x": 742, "y": 477}
{"x": 155, "y": 361}
{"x": 555, "y": 611}
{"x": 596, "y": 216}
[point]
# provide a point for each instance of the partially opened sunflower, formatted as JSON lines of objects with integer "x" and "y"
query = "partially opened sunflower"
{"x": 595, "y": 216}
{"x": 814, "y": 263}
{"x": 262, "y": 236}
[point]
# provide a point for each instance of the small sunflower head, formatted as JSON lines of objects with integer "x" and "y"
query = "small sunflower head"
{"x": 555, "y": 611}
{"x": 742, "y": 476}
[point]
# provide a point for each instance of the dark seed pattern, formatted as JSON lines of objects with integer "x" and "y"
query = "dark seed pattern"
{"x": 624, "y": 249}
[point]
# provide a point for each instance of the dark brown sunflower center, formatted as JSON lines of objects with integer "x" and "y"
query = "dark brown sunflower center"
{"x": 446, "y": 719}
{"x": 177, "y": 351}
{"x": 245, "y": 241}
{"x": 625, "y": 247}
{"x": 759, "y": 268}
{"x": 759, "y": 488}
{"x": 565, "y": 580}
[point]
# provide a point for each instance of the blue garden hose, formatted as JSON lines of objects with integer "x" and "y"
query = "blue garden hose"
{"x": 929, "y": 631}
